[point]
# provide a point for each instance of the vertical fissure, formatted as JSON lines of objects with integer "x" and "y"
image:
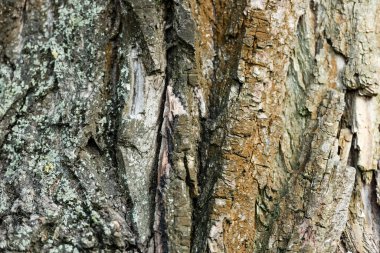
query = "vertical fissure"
{"x": 228, "y": 37}
{"x": 158, "y": 223}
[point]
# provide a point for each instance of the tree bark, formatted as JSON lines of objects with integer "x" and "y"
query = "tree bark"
{"x": 189, "y": 126}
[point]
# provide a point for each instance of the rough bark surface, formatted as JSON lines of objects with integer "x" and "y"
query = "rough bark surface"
{"x": 189, "y": 126}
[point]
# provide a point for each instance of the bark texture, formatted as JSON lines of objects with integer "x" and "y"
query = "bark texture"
{"x": 189, "y": 126}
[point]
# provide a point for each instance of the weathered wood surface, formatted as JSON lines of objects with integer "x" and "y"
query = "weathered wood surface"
{"x": 189, "y": 126}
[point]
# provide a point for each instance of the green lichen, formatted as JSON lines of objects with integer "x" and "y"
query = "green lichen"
{"x": 53, "y": 89}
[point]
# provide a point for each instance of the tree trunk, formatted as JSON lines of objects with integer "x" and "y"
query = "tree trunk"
{"x": 189, "y": 126}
